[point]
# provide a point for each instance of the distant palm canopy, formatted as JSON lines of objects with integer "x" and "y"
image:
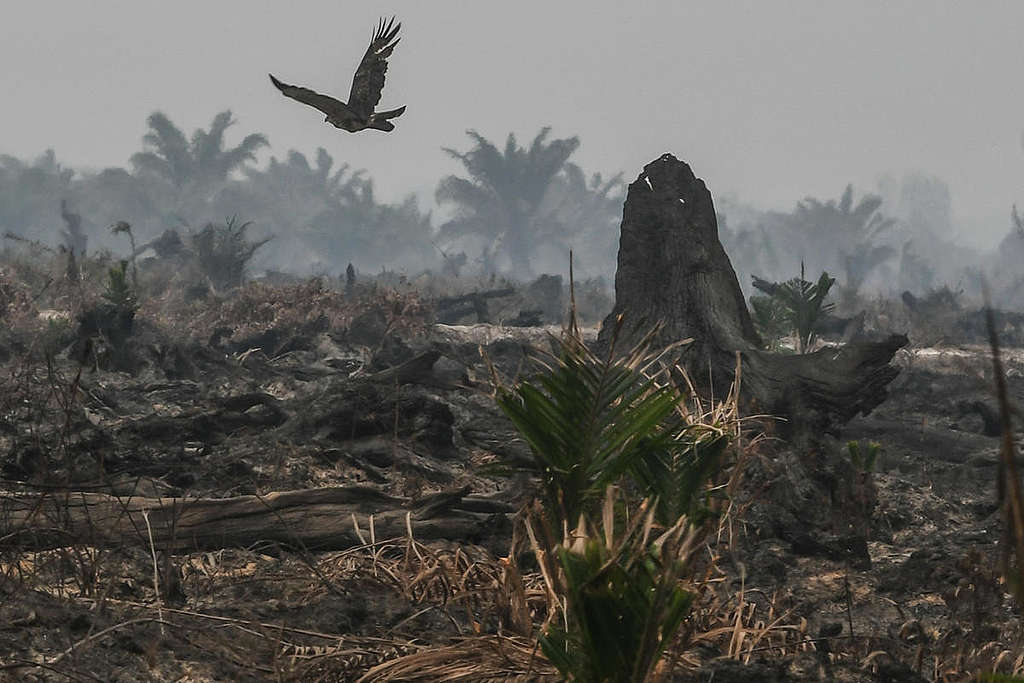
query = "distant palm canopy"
{"x": 520, "y": 202}
{"x": 358, "y": 113}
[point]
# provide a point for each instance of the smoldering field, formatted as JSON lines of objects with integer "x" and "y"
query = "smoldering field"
{"x": 200, "y": 326}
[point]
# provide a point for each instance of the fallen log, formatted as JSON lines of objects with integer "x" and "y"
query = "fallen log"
{"x": 314, "y": 519}
{"x": 451, "y": 308}
{"x": 673, "y": 269}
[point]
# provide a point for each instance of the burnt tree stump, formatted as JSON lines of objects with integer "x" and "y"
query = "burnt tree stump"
{"x": 673, "y": 269}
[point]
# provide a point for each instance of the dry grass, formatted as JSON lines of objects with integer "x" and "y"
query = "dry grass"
{"x": 488, "y": 658}
{"x": 257, "y": 307}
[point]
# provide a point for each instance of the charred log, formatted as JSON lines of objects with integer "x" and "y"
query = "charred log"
{"x": 315, "y": 519}
{"x": 451, "y": 308}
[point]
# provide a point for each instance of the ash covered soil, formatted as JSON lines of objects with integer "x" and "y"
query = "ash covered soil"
{"x": 411, "y": 415}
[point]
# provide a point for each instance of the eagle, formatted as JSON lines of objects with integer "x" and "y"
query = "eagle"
{"x": 358, "y": 114}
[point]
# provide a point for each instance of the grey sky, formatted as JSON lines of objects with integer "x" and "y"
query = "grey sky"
{"x": 770, "y": 101}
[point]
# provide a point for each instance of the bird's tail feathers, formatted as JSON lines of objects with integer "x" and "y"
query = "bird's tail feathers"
{"x": 381, "y": 124}
{"x": 394, "y": 113}
{"x": 379, "y": 120}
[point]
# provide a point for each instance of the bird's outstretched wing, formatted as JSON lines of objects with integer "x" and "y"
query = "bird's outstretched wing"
{"x": 324, "y": 103}
{"x": 369, "y": 79}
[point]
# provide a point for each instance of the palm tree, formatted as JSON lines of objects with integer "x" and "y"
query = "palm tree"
{"x": 30, "y": 194}
{"x": 196, "y": 170}
{"x": 170, "y": 157}
{"x": 330, "y": 214}
{"x": 587, "y": 213}
{"x": 113, "y": 195}
{"x": 292, "y": 195}
{"x": 838, "y": 235}
{"x": 519, "y": 198}
{"x": 296, "y": 181}
{"x": 592, "y": 421}
{"x": 842, "y": 224}
{"x": 858, "y": 263}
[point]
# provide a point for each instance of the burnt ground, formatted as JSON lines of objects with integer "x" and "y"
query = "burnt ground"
{"x": 323, "y": 407}
{"x": 925, "y": 595}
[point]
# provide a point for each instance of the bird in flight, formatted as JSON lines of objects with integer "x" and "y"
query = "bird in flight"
{"x": 358, "y": 113}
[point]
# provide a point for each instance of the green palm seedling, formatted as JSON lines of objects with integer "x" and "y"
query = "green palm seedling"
{"x": 126, "y": 228}
{"x": 624, "y": 599}
{"x": 770, "y": 319}
{"x": 588, "y": 418}
{"x": 677, "y": 474}
{"x": 114, "y": 319}
{"x": 118, "y": 292}
{"x": 615, "y": 582}
{"x": 224, "y": 250}
{"x": 805, "y": 306}
{"x": 863, "y": 459}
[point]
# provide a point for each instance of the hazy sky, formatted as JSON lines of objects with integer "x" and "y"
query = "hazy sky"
{"x": 770, "y": 101}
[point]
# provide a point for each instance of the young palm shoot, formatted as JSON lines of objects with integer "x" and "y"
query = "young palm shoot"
{"x": 805, "y": 306}
{"x": 624, "y": 597}
{"x": 588, "y": 419}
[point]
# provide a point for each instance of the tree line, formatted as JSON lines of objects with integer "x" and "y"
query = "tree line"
{"x": 515, "y": 210}
{"x": 509, "y": 209}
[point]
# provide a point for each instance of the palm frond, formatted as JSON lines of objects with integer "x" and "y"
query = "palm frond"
{"x": 243, "y": 153}
{"x": 324, "y": 164}
{"x": 623, "y": 594}
{"x": 470, "y": 199}
{"x": 169, "y": 142}
{"x": 207, "y": 146}
{"x": 150, "y": 162}
{"x": 867, "y": 206}
{"x": 846, "y": 201}
{"x": 587, "y": 418}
